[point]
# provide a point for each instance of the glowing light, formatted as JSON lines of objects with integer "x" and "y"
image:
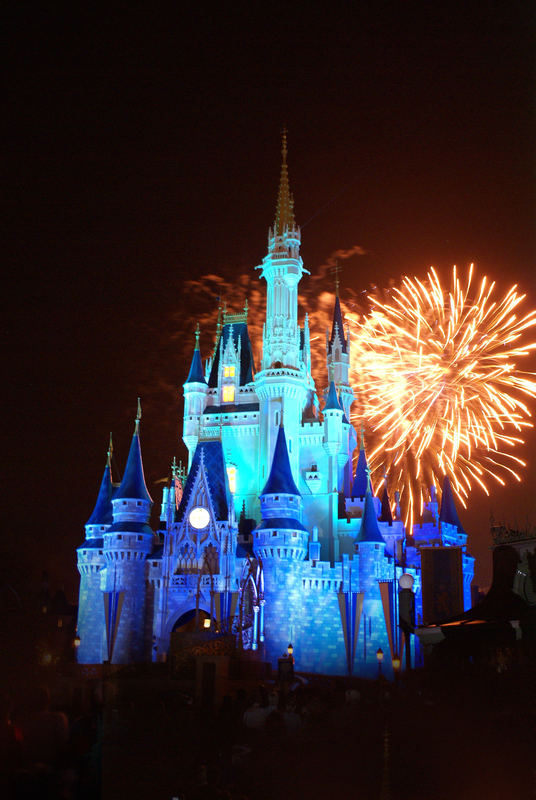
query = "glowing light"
{"x": 436, "y": 379}
{"x": 228, "y": 394}
{"x": 229, "y": 372}
{"x": 199, "y": 518}
{"x": 231, "y": 475}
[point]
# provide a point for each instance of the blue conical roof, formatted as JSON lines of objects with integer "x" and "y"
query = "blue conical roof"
{"x": 196, "y": 369}
{"x": 360, "y": 484}
{"x": 102, "y": 513}
{"x": 386, "y": 515}
{"x": 332, "y": 401}
{"x": 448, "y": 511}
{"x": 280, "y": 480}
{"x": 337, "y": 326}
{"x": 133, "y": 483}
{"x": 369, "y": 531}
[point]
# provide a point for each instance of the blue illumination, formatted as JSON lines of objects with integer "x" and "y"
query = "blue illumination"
{"x": 296, "y": 549}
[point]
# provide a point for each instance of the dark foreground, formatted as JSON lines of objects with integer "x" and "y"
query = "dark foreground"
{"x": 140, "y": 735}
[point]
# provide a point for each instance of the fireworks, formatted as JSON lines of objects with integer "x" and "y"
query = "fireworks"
{"x": 437, "y": 381}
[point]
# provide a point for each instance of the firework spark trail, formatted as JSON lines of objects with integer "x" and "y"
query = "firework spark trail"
{"x": 437, "y": 383}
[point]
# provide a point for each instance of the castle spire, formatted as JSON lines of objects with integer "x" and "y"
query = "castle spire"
{"x": 196, "y": 367}
{"x": 102, "y": 513}
{"x": 133, "y": 483}
{"x": 337, "y": 326}
{"x": 369, "y": 530}
{"x": 280, "y": 480}
{"x": 284, "y": 214}
{"x": 361, "y": 479}
{"x": 448, "y": 512}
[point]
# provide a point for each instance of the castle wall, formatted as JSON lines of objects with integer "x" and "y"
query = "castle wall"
{"x": 91, "y": 622}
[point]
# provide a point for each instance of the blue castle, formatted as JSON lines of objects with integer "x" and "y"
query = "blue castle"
{"x": 270, "y": 535}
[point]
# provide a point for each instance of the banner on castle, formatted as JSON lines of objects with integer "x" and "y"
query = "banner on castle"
{"x": 389, "y": 614}
{"x": 350, "y": 607}
{"x": 113, "y": 605}
{"x": 442, "y": 583}
{"x": 225, "y": 608}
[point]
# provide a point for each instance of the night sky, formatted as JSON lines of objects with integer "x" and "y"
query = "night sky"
{"x": 143, "y": 154}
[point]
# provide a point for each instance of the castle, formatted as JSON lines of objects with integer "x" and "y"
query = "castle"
{"x": 271, "y": 535}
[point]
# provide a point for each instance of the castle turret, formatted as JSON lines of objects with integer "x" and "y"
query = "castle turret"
{"x": 284, "y": 383}
{"x": 333, "y": 445}
{"x": 195, "y": 394}
{"x": 281, "y": 542}
{"x": 127, "y": 543}
{"x": 90, "y": 558}
{"x": 371, "y": 564}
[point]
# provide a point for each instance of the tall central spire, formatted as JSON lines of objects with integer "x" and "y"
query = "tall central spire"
{"x": 284, "y": 213}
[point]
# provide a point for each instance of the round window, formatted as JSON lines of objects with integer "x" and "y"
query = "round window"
{"x": 199, "y": 518}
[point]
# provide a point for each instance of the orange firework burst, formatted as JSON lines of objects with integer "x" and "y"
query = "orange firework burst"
{"x": 437, "y": 383}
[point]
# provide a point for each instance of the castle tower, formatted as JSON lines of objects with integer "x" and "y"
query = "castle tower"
{"x": 284, "y": 382}
{"x": 281, "y": 542}
{"x": 195, "y": 395}
{"x": 232, "y": 410}
{"x": 90, "y": 557}
{"x": 127, "y": 543}
{"x": 333, "y": 445}
{"x": 338, "y": 364}
{"x": 371, "y": 562}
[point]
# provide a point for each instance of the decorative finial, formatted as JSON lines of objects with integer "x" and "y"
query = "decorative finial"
{"x": 336, "y": 270}
{"x": 138, "y": 417}
{"x": 362, "y": 437}
{"x": 284, "y": 214}
{"x": 246, "y": 307}
{"x": 197, "y": 332}
{"x": 174, "y": 468}
{"x": 110, "y": 451}
{"x": 369, "y": 483}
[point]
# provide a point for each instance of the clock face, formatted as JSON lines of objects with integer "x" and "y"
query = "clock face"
{"x": 199, "y": 518}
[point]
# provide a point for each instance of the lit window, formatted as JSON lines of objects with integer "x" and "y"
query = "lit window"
{"x": 231, "y": 475}
{"x": 229, "y": 372}
{"x": 228, "y": 394}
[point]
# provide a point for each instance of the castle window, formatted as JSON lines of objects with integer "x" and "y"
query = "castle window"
{"x": 120, "y": 536}
{"x": 229, "y": 371}
{"x": 138, "y": 502}
{"x": 140, "y": 538}
{"x": 231, "y": 475}
{"x": 228, "y": 394}
{"x": 124, "y": 502}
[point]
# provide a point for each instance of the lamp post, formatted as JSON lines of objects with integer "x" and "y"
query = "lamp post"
{"x": 406, "y": 612}
{"x": 379, "y": 658}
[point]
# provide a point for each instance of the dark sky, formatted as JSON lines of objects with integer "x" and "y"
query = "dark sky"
{"x": 143, "y": 149}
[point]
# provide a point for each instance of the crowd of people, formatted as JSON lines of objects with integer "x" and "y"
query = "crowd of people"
{"x": 46, "y": 752}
